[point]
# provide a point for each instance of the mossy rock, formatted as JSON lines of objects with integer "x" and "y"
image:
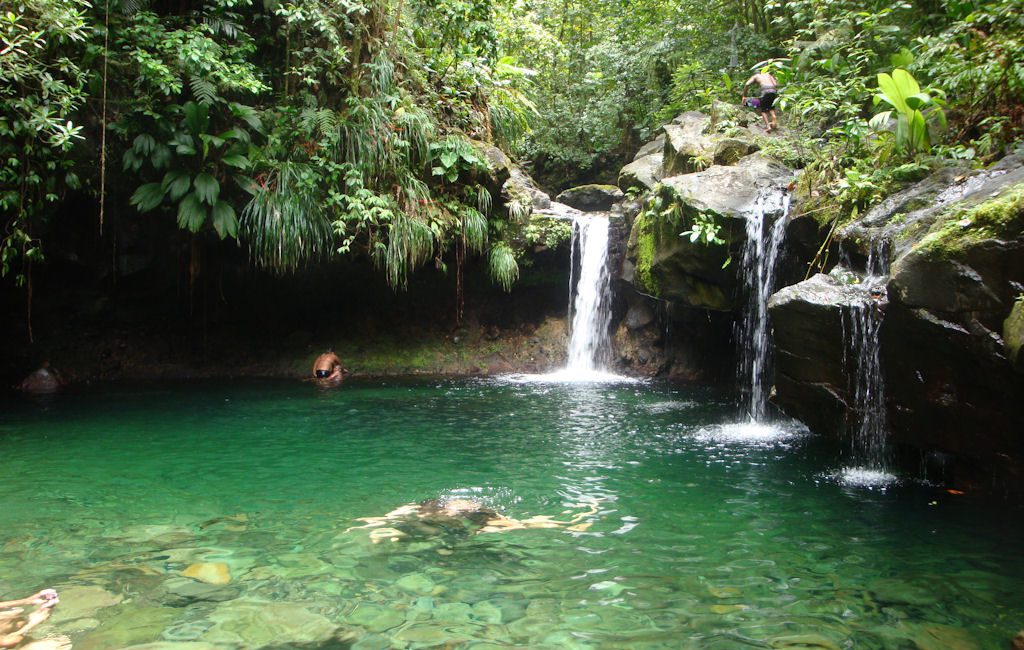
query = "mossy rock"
{"x": 591, "y": 198}
{"x": 958, "y": 230}
{"x": 1013, "y": 335}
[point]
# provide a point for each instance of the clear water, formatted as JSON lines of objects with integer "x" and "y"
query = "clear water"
{"x": 705, "y": 534}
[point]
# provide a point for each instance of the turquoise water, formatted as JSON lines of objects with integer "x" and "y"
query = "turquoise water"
{"x": 695, "y": 535}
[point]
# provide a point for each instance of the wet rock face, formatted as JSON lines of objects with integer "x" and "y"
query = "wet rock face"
{"x": 950, "y": 341}
{"x": 810, "y": 363}
{"x": 663, "y": 263}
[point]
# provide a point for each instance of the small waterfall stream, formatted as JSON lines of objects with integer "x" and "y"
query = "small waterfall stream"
{"x": 863, "y": 324}
{"x": 760, "y": 254}
{"x": 590, "y": 314}
{"x": 590, "y": 300}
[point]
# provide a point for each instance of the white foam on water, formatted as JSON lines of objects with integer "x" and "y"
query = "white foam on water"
{"x": 864, "y": 477}
{"x": 570, "y": 376}
{"x": 758, "y": 433}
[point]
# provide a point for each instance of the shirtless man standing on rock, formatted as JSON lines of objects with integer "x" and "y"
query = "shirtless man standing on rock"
{"x": 769, "y": 92}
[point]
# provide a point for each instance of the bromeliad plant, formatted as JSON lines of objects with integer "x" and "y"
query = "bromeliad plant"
{"x": 916, "y": 111}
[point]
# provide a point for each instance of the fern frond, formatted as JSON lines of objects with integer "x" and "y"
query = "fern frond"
{"x": 204, "y": 90}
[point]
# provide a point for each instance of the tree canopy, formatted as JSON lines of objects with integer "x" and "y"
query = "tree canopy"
{"x": 312, "y": 129}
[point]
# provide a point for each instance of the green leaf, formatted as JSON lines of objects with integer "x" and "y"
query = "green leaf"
{"x": 879, "y": 121}
{"x": 906, "y": 82}
{"x": 236, "y": 160}
{"x": 452, "y": 175}
{"x": 197, "y": 117}
{"x": 147, "y": 197}
{"x": 901, "y": 59}
{"x": 919, "y": 101}
{"x": 247, "y": 114}
{"x": 176, "y": 182}
{"x": 144, "y": 144}
{"x": 191, "y": 213}
{"x": 891, "y": 92}
{"x": 448, "y": 158}
{"x": 224, "y": 220}
{"x": 161, "y": 157}
{"x": 207, "y": 188}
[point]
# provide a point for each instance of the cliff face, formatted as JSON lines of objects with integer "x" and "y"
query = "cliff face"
{"x": 952, "y": 261}
{"x": 940, "y": 264}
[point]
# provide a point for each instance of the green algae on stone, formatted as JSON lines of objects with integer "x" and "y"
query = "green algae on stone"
{"x": 1013, "y": 335}
{"x": 998, "y": 218}
{"x": 646, "y": 246}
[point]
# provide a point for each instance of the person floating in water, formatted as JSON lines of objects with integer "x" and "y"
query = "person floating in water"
{"x": 14, "y": 627}
{"x": 436, "y": 516}
{"x": 328, "y": 368}
{"x": 769, "y": 92}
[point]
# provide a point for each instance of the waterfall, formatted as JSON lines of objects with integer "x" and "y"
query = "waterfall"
{"x": 760, "y": 254}
{"x": 863, "y": 322}
{"x": 590, "y": 314}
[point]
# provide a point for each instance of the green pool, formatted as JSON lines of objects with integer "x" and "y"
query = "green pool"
{"x": 218, "y": 515}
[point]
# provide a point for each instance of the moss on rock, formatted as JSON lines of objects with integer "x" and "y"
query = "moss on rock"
{"x": 1013, "y": 335}
{"x": 956, "y": 231}
{"x": 646, "y": 245}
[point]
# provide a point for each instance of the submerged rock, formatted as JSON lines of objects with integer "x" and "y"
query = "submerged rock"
{"x": 214, "y": 573}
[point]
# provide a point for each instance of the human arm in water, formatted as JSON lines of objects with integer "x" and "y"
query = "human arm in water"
{"x": 12, "y": 634}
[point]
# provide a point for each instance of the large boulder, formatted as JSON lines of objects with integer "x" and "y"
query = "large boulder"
{"x": 687, "y": 148}
{"x": 591, "y": 198}
{"x": 643, "y": 173}
{"x": 811, "y": 350}
{"x": 662, "y": 263}
{"x": 521, "y": 194}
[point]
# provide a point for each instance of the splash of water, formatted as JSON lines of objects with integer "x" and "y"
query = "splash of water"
{"x": 760, "y": 254}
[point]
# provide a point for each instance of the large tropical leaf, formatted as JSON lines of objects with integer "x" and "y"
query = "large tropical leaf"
{"x": 891, "y": 92}
{"x": 197, "y": 117}
{"x": 191, "y": 213}
{"x": 147, "y": 197}
{"x": 176, "y": 182}
{"x": 224, "y": 220}
{"x": 236, "y": 160}
{"x": 207, "y": 188}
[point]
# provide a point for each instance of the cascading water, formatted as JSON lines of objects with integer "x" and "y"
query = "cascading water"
{"x": 590, "y": 300}
{"x": 863, "y": 322}
{"x": 590, "y": 313}
{"x": 760, "y": 254}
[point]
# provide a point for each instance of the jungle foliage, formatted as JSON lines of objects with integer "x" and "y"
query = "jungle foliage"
{"x": 307, "y": 129}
